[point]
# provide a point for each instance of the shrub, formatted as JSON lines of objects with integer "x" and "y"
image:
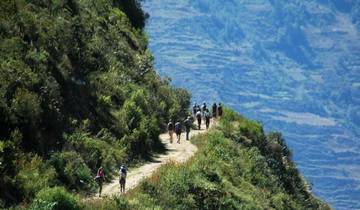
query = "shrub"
{"x": 102, "y": 151}
{"x": 34, "y": 175}
{"x": 113, "y": 203}
{"x": 116, "y": 203}
{"x": 133, "y": 10}
{"x": 72, "y": 170}
{"x": 282, "y": 201}
{"x": 57, "y": 198}
{"x": 42, "y": 205}
{"x": 26, "y": 106}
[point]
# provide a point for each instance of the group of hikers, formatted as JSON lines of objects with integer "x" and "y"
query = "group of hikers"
{"x": 100, "y": 178}
{"x": 199, "y": 113}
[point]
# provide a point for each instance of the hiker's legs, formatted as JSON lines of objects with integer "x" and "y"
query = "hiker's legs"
{"x": 100, "y": 187}
{"x": 122, "y": 185}
{"x": 199, "y": 123}
{"x": 171, "y": 136}
{"x": 178, "y": 137}
{"x": 187, "y": 135}
{"x": 122, "y": 188}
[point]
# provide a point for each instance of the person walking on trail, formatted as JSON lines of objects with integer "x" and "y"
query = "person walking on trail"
{"x": 100, "y": 178}
{"x": 178, "y": 131}
{"x": 220, "y": 110}
{"x": 188, "y": 123}
{"x": 194, "y": 109}
{"x": 207, "y": 118}
{"x": 214, "y": 110}
{"x": 198, "y": 117}
{"x": 122, "y": 180}
{"x": 170, "y": 127}
{"x": 203, "y": 108}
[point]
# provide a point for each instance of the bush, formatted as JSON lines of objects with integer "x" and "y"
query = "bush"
{"x": 42, "y": 205}
{"x": 133, "y": 10}
{"x": 72, "y": 170}
{"x": 56, "y": 198}
{"x": 34, "y": 175}
{"x": 113, "y": 203}
{"x": 102, "y": 151}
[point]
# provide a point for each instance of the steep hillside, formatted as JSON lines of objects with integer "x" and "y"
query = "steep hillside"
{"x": 77, "y": 91}
{"x": 237, "y": 167}
{"x": 293, "y": 65}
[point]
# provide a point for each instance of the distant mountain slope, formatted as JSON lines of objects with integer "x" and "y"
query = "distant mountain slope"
{"x": 294, "y": 65}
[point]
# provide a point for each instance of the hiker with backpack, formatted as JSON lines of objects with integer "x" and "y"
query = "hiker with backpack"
{"x": 214, "y": 110}
{"x": 203, "y": 109}
{"x": 100, "y": 178}
{"x": 122, "y": 180}
{"x": 220, "y": 110}
{"x": 198, "y": 117}
{"x": 207, "y": 118}
{"x": 170, "y": 127}
{"x": 178, "y": 131}
{"x": 188, "y": 123}
{"x": 194, "y": 109}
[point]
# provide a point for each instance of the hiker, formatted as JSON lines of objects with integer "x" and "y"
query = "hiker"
{"x": 100, "y": 178}
{"x": 214, "y": 110}
{"x": 198, "y": 108}
{"x": 122, "y": 180}
{"x": 207, "y": 118}
{"x": 188, "y": 123}
{"x": 220, "y": 110}
{"x": 170, "y": 128}
{"x": 194, "y": 109}
{"x": 178, "y": 131}
{"x": 203, "y": 108}
{"x": 198, "y": 117}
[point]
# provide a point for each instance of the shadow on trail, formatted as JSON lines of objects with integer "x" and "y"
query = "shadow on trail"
{"x": 158, "y": 149}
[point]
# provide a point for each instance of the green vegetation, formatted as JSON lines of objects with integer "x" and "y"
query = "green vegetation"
{"x": 78, "y": 90}
{"x": 237, "y": 167}
{"x": 55, "y": 199}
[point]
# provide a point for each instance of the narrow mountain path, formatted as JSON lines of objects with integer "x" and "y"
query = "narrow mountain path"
{"x": 174, "y": 152}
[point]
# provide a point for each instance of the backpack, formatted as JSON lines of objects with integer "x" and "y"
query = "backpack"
{"x": 203, "y": 108}
{"x": 188, "y": 123}
{"x": 123, "y": 172}
{"x": 198, "y": 115}
{"x": 207, "y": 115}
{"x": 170, "y": 126}
{"x": 97, "y": 179}
{"x": 178, "y": 126}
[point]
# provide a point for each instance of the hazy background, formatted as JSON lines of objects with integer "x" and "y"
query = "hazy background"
{"x": 293, "y": 65}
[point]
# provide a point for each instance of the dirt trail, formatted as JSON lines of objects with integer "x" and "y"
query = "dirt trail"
{"x": 175, "y": 152}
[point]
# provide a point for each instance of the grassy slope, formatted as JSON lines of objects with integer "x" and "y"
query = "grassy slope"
{"x": 237, "y": 167}
{"x": 77, "y": 91}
